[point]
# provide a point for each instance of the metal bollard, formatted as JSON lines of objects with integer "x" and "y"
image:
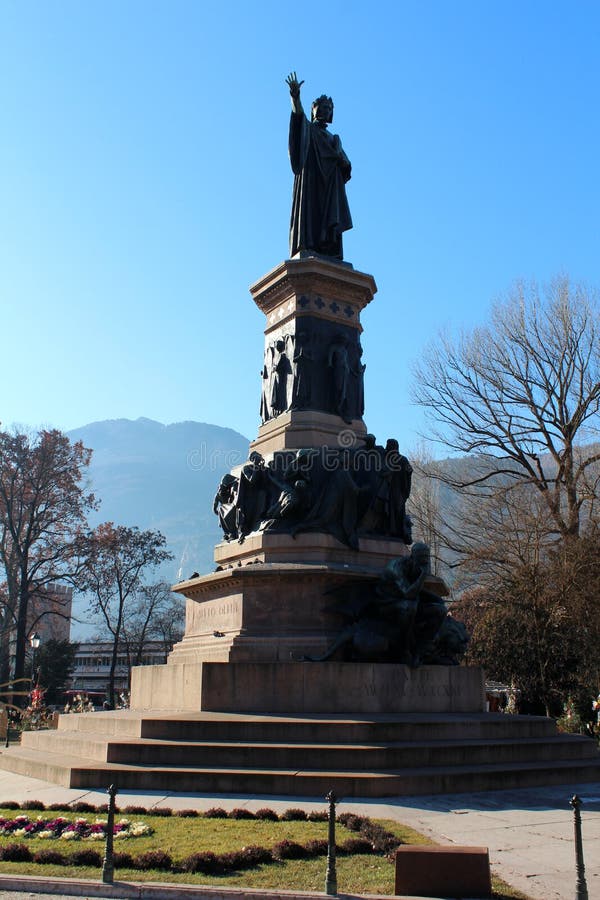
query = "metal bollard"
{"x": 108, "y": 863}
{"x": 581, "y": 891}
{"x": 331, "y": 876}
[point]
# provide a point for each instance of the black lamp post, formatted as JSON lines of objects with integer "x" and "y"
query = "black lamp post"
{"x": 35, "y": 641}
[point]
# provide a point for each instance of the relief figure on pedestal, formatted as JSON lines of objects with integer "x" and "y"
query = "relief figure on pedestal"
{"x": 281, "y": 384}
{"x": 266, "y": 388}
{"x": 320, "y": 212}
{"x": 303, "y": 371}
{"x": 357, "y": 394}
{"x": 339, "y": 364}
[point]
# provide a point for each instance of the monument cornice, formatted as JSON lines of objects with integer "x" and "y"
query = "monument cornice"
{"x": 312, "y": 276}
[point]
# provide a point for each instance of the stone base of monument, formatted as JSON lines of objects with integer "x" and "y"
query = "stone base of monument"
{"x": 304, "y": 754}
{"x": 372, "y": 554}
{"x": 308, "y": 687}
{"x": 276, "y": 611}
{"x": 297, "y": 429}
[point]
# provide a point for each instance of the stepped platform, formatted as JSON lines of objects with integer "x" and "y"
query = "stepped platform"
{"x": 305, "y": 755}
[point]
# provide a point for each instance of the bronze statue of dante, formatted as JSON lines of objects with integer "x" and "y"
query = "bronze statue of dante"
{"x": 320, "y": 212}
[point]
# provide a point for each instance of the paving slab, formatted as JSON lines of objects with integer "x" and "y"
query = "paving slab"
{"x": 529, "y": 832}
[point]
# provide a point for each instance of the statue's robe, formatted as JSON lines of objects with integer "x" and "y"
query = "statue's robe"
{"x": 320, "y": 212}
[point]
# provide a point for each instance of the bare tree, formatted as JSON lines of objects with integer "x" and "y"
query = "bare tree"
{"x": 118, "y": 557}
{"x": 424, "y": 505}
{"x": 520, "y": 399}
{"x": 155, "y": 614}
{"x": 523, "y": 395}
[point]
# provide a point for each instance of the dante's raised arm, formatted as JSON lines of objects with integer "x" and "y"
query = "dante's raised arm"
{"x": 294, "y": 86}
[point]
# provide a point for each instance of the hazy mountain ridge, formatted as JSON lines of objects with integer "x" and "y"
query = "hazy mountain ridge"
{"x": 163, "y": 477}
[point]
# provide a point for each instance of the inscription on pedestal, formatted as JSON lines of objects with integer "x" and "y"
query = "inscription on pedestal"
{"x": 215, "y": 615}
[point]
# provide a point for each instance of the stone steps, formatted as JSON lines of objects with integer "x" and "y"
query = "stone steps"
{"x": 202, "y": 726}
{"x": 366, "y": 756}
{"x": 306, "y": 755}
{"x": 82, "y": 773}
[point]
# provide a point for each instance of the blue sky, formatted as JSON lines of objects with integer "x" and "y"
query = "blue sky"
{"x": 145, "y": 184}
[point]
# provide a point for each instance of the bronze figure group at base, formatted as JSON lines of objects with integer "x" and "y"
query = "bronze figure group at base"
{"x": 398, "y": 619}
{"x": 345, "y": 493}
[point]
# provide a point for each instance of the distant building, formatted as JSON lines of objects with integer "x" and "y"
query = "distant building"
{"x": 48, "y": 616}
{"x": 49, "y": 613}
{"x": 92, "y": 665}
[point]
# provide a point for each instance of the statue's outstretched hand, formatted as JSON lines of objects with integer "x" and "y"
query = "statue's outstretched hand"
{"x": 294, "y": 85}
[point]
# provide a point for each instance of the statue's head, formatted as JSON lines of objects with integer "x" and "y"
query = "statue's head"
{"x": 256, "y": 458}
{"x": 421, "y": 555}
{"x": 370, "y": 441}
{"x": 322, "y": 109}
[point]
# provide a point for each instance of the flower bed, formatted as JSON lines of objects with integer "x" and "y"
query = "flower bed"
{"x": 59, "y": 828}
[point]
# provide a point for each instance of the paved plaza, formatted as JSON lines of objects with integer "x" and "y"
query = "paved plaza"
{"x": 529, "y": 832}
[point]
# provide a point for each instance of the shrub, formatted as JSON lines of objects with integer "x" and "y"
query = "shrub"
{"x": 215, "y": 812}
{"x": 11, "y": 804}
{"x": 267, "y": 814}
{"x": 187, "y": 813}
{"x": 254, "y": 856}
{"x": 16, "y": 853}
{"x": 164, "y": 811}
{"x": 103, "y": 808}
{"x": 317, "y": 847}
{"x": 82, "y": 806}
{"x": 288, "y": 850}
{"x": 318, "y": 815}
{"x": 206, "y": 863}
{"x": 240, "y": 813}
{"x": 33, "y": 804}
{"x": 293, "y": 815}
{"x": 355, "y": 845}
{"x": 351, "y": 821}
{"x": 123, "y": 860}
{"x": 154, "y": 859}
{"x": 133, "y": 810}
{"x": 232, "y": 861}
{"x": 49, "y": 858}
{"x": 87, "y": 858}
{"x": 60, "y": 807}
{"x": 383, "y": 841}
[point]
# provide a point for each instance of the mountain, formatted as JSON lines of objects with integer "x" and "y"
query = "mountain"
{"x": 163, "y": 477}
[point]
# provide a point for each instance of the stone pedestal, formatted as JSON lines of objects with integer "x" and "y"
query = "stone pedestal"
{"x": 311, "y": 307}
{"x": 305, "y": 688}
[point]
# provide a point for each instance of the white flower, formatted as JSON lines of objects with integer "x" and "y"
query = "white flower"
{"x": 122, "y": 836}
{"x": 123, "y": 822}
{"x": 20, "y": 832}
{"x": 96, "y": 836}
{"x": 140, "y": 828}
{"x": 46, "y": 835}
{"x": 69, "y": 836}
{"x": 100, "y": 821}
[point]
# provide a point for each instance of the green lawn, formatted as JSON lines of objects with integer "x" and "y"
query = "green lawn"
{"x": 181, "y": 837}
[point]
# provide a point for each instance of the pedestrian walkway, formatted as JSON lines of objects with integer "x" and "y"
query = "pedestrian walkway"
{"x": 529, "y": 832}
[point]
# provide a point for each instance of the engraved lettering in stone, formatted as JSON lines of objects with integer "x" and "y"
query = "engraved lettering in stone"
{"x": 371, "y": 689}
